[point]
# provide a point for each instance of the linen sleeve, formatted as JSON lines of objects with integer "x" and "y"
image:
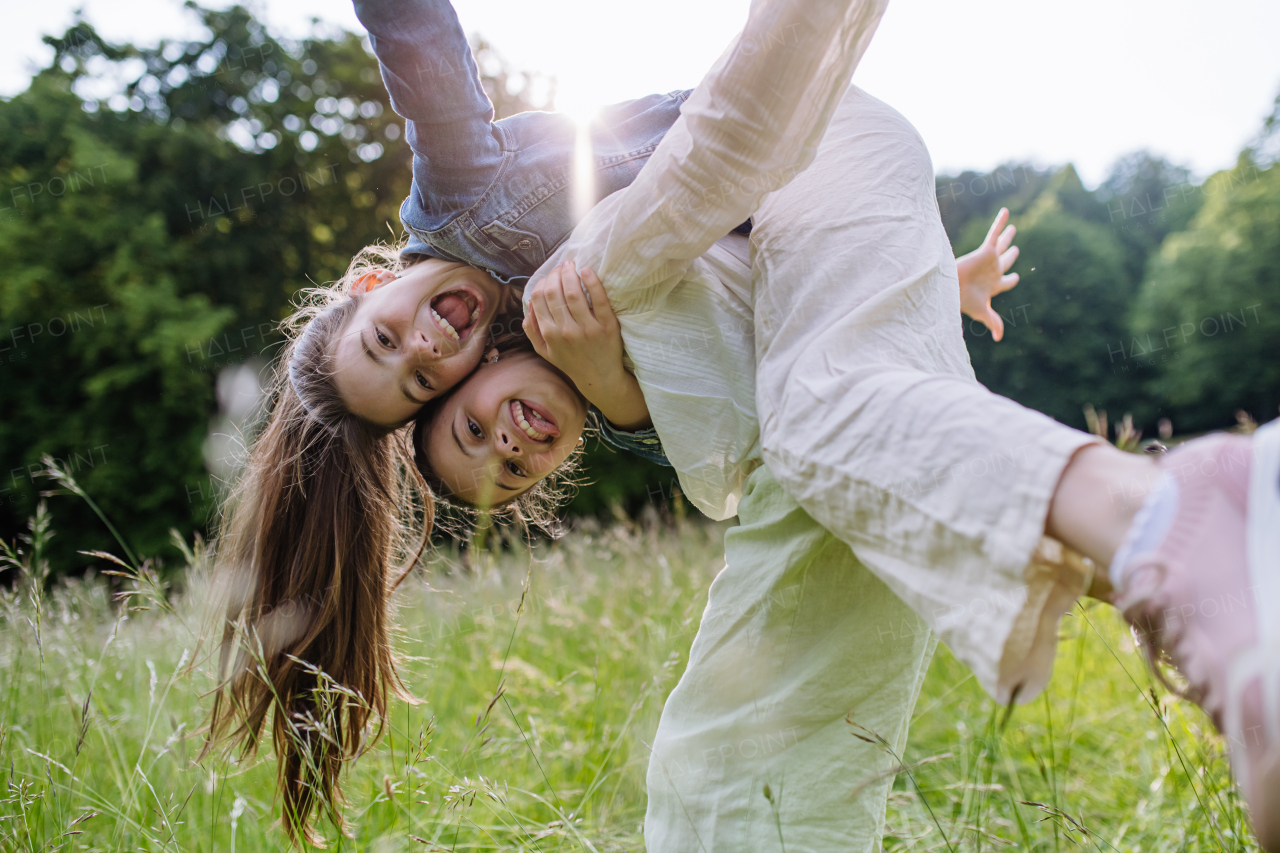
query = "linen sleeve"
{"x": 752, "y": 125}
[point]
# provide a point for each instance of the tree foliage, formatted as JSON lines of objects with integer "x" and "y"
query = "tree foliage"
{"x": 161, "y": 207}
{"x": 1060, "y": 321}
{"x": 1210, "y": 304}
{"x": 1108, "y": 274}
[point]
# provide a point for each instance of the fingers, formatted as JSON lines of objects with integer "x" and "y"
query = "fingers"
{"x": 582, "y": 274}
{"x": 534, "y": 331}
{"x": 548, "y": 301}
{"x": 994, "y": 322}
{"x": 1006, "y": 238}
{"x": 601, "y": 306}
{"x": 1001, "y": 218}
{"x": 1008, "y": 282}
{"x": 1007, "y": 258}
{"x": 575, "y": 295}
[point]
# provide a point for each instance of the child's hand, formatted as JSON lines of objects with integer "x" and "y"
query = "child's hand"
{"x": 572, "y": 325}
{"x": 982, "y": 274}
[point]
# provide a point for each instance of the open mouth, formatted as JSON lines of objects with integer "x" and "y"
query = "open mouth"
{"x": 456, "y": 312}
{"x": 535, "y": 422}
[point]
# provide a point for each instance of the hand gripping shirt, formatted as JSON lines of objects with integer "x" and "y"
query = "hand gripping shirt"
{"x": 680, "y": 288}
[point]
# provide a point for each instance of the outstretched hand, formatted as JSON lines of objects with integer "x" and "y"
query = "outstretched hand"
{"x": 983, "y": 274}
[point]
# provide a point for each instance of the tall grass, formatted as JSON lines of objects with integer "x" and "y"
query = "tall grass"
{"x": 541, "y": 679}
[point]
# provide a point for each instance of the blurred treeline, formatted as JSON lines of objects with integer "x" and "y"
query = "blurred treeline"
{"x": 1152, "y": 295}
{"x": 161, "y": 206}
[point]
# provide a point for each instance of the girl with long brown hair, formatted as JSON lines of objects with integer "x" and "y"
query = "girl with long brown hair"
{"x": 876, "y": 483}
{"x": 933, "y": 375}
{"x": 330, "y": 513}
{"x": 313, "y": 539}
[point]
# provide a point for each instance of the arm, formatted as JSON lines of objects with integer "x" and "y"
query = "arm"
{"x": 434, "y": 84}
{"x": 751, "y": 126}
{"x": 572, "y": 325}
{"x": 982, "y": 274}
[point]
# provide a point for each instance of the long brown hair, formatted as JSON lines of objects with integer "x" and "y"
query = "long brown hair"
{"x": 313, "y": 540}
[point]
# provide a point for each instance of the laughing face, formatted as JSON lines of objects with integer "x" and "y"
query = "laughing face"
{"x": 414, "y": 337}
{"x": 508, "y": 426}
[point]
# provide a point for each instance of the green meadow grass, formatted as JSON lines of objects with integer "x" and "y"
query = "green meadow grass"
{"x": 531, "y": 729}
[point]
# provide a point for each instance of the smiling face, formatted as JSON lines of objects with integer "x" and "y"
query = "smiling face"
{"x": 508, "y": 426}
{"x": 414, "y": 337}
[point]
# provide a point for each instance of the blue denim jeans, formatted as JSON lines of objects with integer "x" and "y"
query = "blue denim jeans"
{"x": 497, "y": 195}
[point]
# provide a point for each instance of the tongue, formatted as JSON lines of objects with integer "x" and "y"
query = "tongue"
{"x": 453, "y": 308}
{"x": 538, "y": 422}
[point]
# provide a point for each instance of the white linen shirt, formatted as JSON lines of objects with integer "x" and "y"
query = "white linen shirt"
{"x": 682, "y": 290}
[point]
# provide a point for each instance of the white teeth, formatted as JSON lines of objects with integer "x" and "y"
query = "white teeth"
{"x": 524, "y": 425}
{"x": 444, "y": 324}
{"x": 475, "y": 315}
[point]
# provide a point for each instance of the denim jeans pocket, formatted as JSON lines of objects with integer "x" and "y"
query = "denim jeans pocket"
{"x": 525, "y": 249}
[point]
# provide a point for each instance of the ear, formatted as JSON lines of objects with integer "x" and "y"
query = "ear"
{"x": 370, "y": 280}
{"x": 491, "y": 357}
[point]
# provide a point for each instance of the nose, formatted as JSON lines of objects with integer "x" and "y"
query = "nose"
{"x": 423, "y": 347}
{"x": 508, "y": 447}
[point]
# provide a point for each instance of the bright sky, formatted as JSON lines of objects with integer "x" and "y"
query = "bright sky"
{"x": 985, "y": 81}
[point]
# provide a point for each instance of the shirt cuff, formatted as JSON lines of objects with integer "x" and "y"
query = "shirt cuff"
{"x": 643, "y": 443}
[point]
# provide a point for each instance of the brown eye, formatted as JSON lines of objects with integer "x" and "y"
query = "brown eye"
{"x": 474, "y": 428}
{"x": 514, "y": 469}
{"x": 382, "y": 339}
{"x": 422, "y": 380}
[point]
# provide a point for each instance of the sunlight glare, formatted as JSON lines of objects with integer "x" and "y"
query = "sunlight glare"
{"x": 584, "y": 173}
{"x": 583, "y": 110}
{"x": 577, "y": 105}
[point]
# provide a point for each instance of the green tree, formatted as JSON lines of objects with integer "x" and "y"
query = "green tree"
{"x": 154, "y": 231}
{"x": 511, "y": 91}
{"x": 969, "y": 201}
{"x": 1067, "y": 320}
{"x": 1211, "y": 304}
{"x": 1265, "y": 149}
{"x": 1146, "y": 199}
{"x": 615, "y": 478}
